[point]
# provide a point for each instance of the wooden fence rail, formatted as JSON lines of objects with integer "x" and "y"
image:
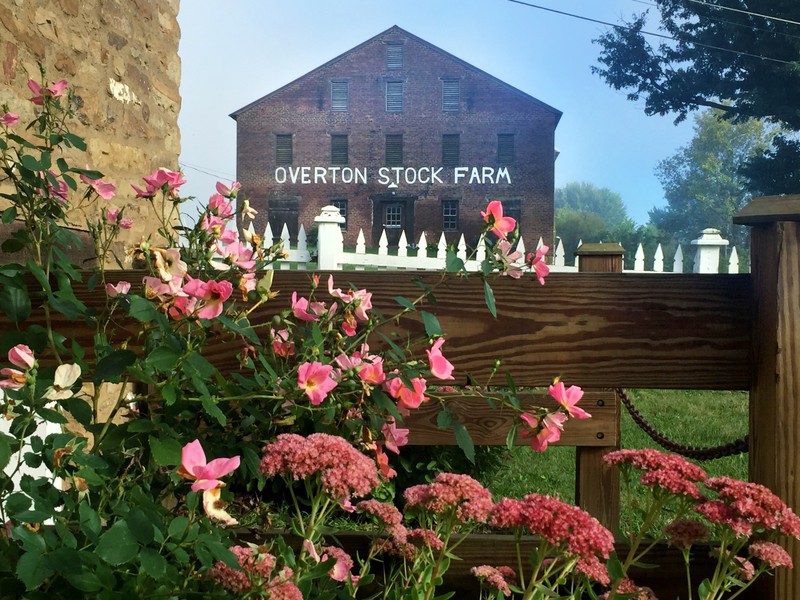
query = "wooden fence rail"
{"x": 598, "y": 330}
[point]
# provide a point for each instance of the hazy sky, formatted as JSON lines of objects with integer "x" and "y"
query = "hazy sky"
{"x": 238, "y": 51}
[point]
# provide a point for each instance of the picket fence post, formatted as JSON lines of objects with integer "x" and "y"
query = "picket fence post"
{"x": 775, "y": 381}
{"x": 706, "y": 258}
{"x": 330, "y": 243}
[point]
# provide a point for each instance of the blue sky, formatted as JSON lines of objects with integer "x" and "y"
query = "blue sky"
{"x": 235, "y": 52}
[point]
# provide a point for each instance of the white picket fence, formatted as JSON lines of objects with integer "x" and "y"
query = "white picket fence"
{"x": 332, "y": 256}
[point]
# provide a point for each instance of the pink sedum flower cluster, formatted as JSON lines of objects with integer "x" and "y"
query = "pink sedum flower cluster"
{"x": 668, "y": 472}
{"x": 748, "y": 508}
{"x": 495, "y": 578}
{"x": 453, "y": 493}
{"x": 343, "y": 471}
{"x": 256, "y": 575}
{"x": 565, "y": 527}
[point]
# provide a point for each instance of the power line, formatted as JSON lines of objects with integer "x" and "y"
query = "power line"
{"x": 733, "y": 23}
{"x": 659, "y": 35}
{"x": 207, "y": 172}
{"x": 746, "y": 12}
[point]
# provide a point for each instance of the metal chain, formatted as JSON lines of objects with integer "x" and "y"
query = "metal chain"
{"x": 735, "y": 447}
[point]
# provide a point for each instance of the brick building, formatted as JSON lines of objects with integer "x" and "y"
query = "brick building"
{"x": 403, "y": 135}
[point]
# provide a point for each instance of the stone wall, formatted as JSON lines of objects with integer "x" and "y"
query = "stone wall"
{"x": 120, "y": 58}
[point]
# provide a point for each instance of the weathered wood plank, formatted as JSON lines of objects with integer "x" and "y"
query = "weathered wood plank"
{"x": 595, "y": 330}
{"x": 489, "y": 426}
{"x": 668, "y": 581}
{"x": 774, "y": 411}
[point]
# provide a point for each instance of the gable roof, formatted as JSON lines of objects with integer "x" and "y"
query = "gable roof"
{"x": 399, "y": 30}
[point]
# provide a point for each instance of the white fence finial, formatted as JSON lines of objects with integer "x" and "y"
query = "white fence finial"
{"x": 706, "y": 258}
{"x": 329, "y": 238}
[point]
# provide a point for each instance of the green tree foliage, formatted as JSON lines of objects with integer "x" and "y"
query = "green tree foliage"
{"x": 587, "y": 198}
{"x": 724, "y": 55}
{"x": 702, "y": 181}
{"x": 585, "y": 212}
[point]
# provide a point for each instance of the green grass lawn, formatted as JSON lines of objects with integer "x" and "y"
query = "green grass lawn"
{"x": 696, "y": 418}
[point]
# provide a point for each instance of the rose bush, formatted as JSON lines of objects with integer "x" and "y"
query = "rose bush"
{"x": 315, "y": 409}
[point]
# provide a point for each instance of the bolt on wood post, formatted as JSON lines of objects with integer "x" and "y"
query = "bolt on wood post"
{"x": 775, "y": 384}
{"x": 597, "y": 483}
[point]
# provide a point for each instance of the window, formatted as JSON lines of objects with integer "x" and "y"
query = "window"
{"x": 283, "y": 149}
{"x": 394, "y": 150}
{"x": 393, "y": 216}
{"x": 394, "y": 56}
{"x": 340, "y": 96}
{"x": 449, "y": 215}
{"x": 505, "y": 148}
{"x": 394, "y": 96}
{"x": 341, "y": 204}
{"x": 339, "y": 149}
{"x": 451, "y": 95}
{"x": 450, "y": 149}
{"x": 513, "y": 208}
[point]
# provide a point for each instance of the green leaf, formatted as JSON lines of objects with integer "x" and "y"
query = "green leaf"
{"x": 5, "y": 450}
{"x": 143, "y": 310}
{"x": 615, "y": 568}
{"x": 213, "y": 410}
{"x": 177, "y": 527}
{"x": 80, "y": 410}
{"x": 489, "y": 296}
{"x": 170, "y": 393}
{"x": 166, "y": 451}
{"x": 432, "y": 327}
{"x": 12, "y": 245}
{"x": 33, "y": 569}
{"x": 200, "y": 365}
{"x": 464, "y": 440}
{"x": 89, "y": 521}
{"x": 17, "y": 503}
{"x": 453, "y": 263}
{"x": 405, "y": 303}
{"x": 140, "y": 525}
{"x": 73, "y": 140}
{"x": 444, "y": 420}
{"x": 117, "y": 546}
{"x": 111, "y": 367}
{"x": 385, "y": 403}
{"x": 163, "y": 358}
{"x": 30, "y": 163}
{"x": 511, "y": 436}
{"x": 242, "y": 327}
{"x": 84, "y": 580}
{"x": 153, "y": 564}
{"x": 8, "y": 215}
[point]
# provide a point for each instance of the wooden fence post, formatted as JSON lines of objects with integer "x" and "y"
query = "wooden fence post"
{"x": 329, "y": 238}
{"x": 597, "y": 483}
{"x": 775, "y": 385}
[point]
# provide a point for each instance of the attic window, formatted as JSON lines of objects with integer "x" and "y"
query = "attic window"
{"x": 394, "y": 150}
{"x": 394, "y": 56}
{"x": 339, "y": 149}
{"x": 450, "y": 148}
{"x": 394, "y": 96}
{"x": 451, "y": 95}
{"x": 283, "y": 149}
{"x": 340, "y": 96}
{"x": 505, "y": 148}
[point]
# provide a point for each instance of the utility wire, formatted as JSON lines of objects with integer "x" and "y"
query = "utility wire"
{"x": 206, "y": 172}
{"x": 746, "y": 12}
{"x": 734, "y": 24}
{"x": 659, "y": 35}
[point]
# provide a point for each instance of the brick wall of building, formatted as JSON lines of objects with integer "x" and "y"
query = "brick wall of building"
{"x": 487, "y": 108}
{"x": 120, "y": 58}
